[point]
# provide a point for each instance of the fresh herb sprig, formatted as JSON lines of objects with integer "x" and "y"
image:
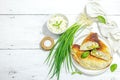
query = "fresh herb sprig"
{"x": 85, "y": 54}
{"x": 57, "y": 24}
{"x": 61, "y": 50}
{"x": 113, "y": 67}
{"x": 76, "y": 72}
{"x": 101, "y": 19}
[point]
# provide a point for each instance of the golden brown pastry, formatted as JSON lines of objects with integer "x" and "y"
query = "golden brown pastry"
{"x": 99, "y": 57}
{"x": 90, "y": 42}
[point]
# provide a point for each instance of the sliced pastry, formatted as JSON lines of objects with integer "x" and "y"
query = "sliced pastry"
{"x": 103, "y": 52}
{"x": 90, "y": 62}
{"x": 90, "y": 42}
{"x": 93, "y": 54}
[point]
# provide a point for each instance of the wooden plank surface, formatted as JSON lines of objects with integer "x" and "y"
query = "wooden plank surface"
{"x": 29, "y": 65}
{"x": 26, "y": 31}
{"x": 54, "y": 6}
{"x": 23, "y": 25}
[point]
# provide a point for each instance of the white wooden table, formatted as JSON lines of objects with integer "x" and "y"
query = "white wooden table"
{"x": 22, "y": 26}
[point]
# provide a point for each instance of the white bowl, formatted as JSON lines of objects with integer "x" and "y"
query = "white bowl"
{"x": 88, "y": 71}
{"x": 55, "y": 30}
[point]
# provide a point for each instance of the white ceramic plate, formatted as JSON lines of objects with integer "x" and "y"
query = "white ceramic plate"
{"x": 87, "y": 71}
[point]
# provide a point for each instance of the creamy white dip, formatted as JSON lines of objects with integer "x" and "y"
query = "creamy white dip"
{"x": 57, "y": 24}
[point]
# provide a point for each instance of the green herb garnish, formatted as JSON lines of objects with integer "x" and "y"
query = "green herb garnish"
{"x": 101, "y": 19}
{"x": 76, "y": 72}
{"x": 94, "y": 50}
{"x": 61, "y": 52}
{"x": 85, "y": 54}
{"x": 113, "y": 67}
{"x": 57, "y": 24}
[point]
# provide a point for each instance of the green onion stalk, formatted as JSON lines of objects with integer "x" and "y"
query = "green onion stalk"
{"x": 61, "y": 51}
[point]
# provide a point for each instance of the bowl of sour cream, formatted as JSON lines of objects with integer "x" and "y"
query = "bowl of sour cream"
{"x": 57, "y": 23}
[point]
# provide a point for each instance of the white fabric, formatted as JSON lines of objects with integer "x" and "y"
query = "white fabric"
{"x": 109, "y": 30}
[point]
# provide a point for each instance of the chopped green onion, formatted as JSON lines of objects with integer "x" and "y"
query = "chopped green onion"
{"x": 57, "y": 24}
{"x": 94, "y": 50}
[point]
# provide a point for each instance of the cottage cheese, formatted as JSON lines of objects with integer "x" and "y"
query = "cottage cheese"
{"x": 57, "y": 23}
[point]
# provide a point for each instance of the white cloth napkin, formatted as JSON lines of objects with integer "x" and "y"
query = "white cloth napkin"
{"x": 110, "y": 30}
{"x": 112, "y": 33}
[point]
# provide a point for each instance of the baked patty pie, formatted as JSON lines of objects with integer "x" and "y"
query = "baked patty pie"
{"x": 90, "y": 42}
{"x": 99, "y": 56}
